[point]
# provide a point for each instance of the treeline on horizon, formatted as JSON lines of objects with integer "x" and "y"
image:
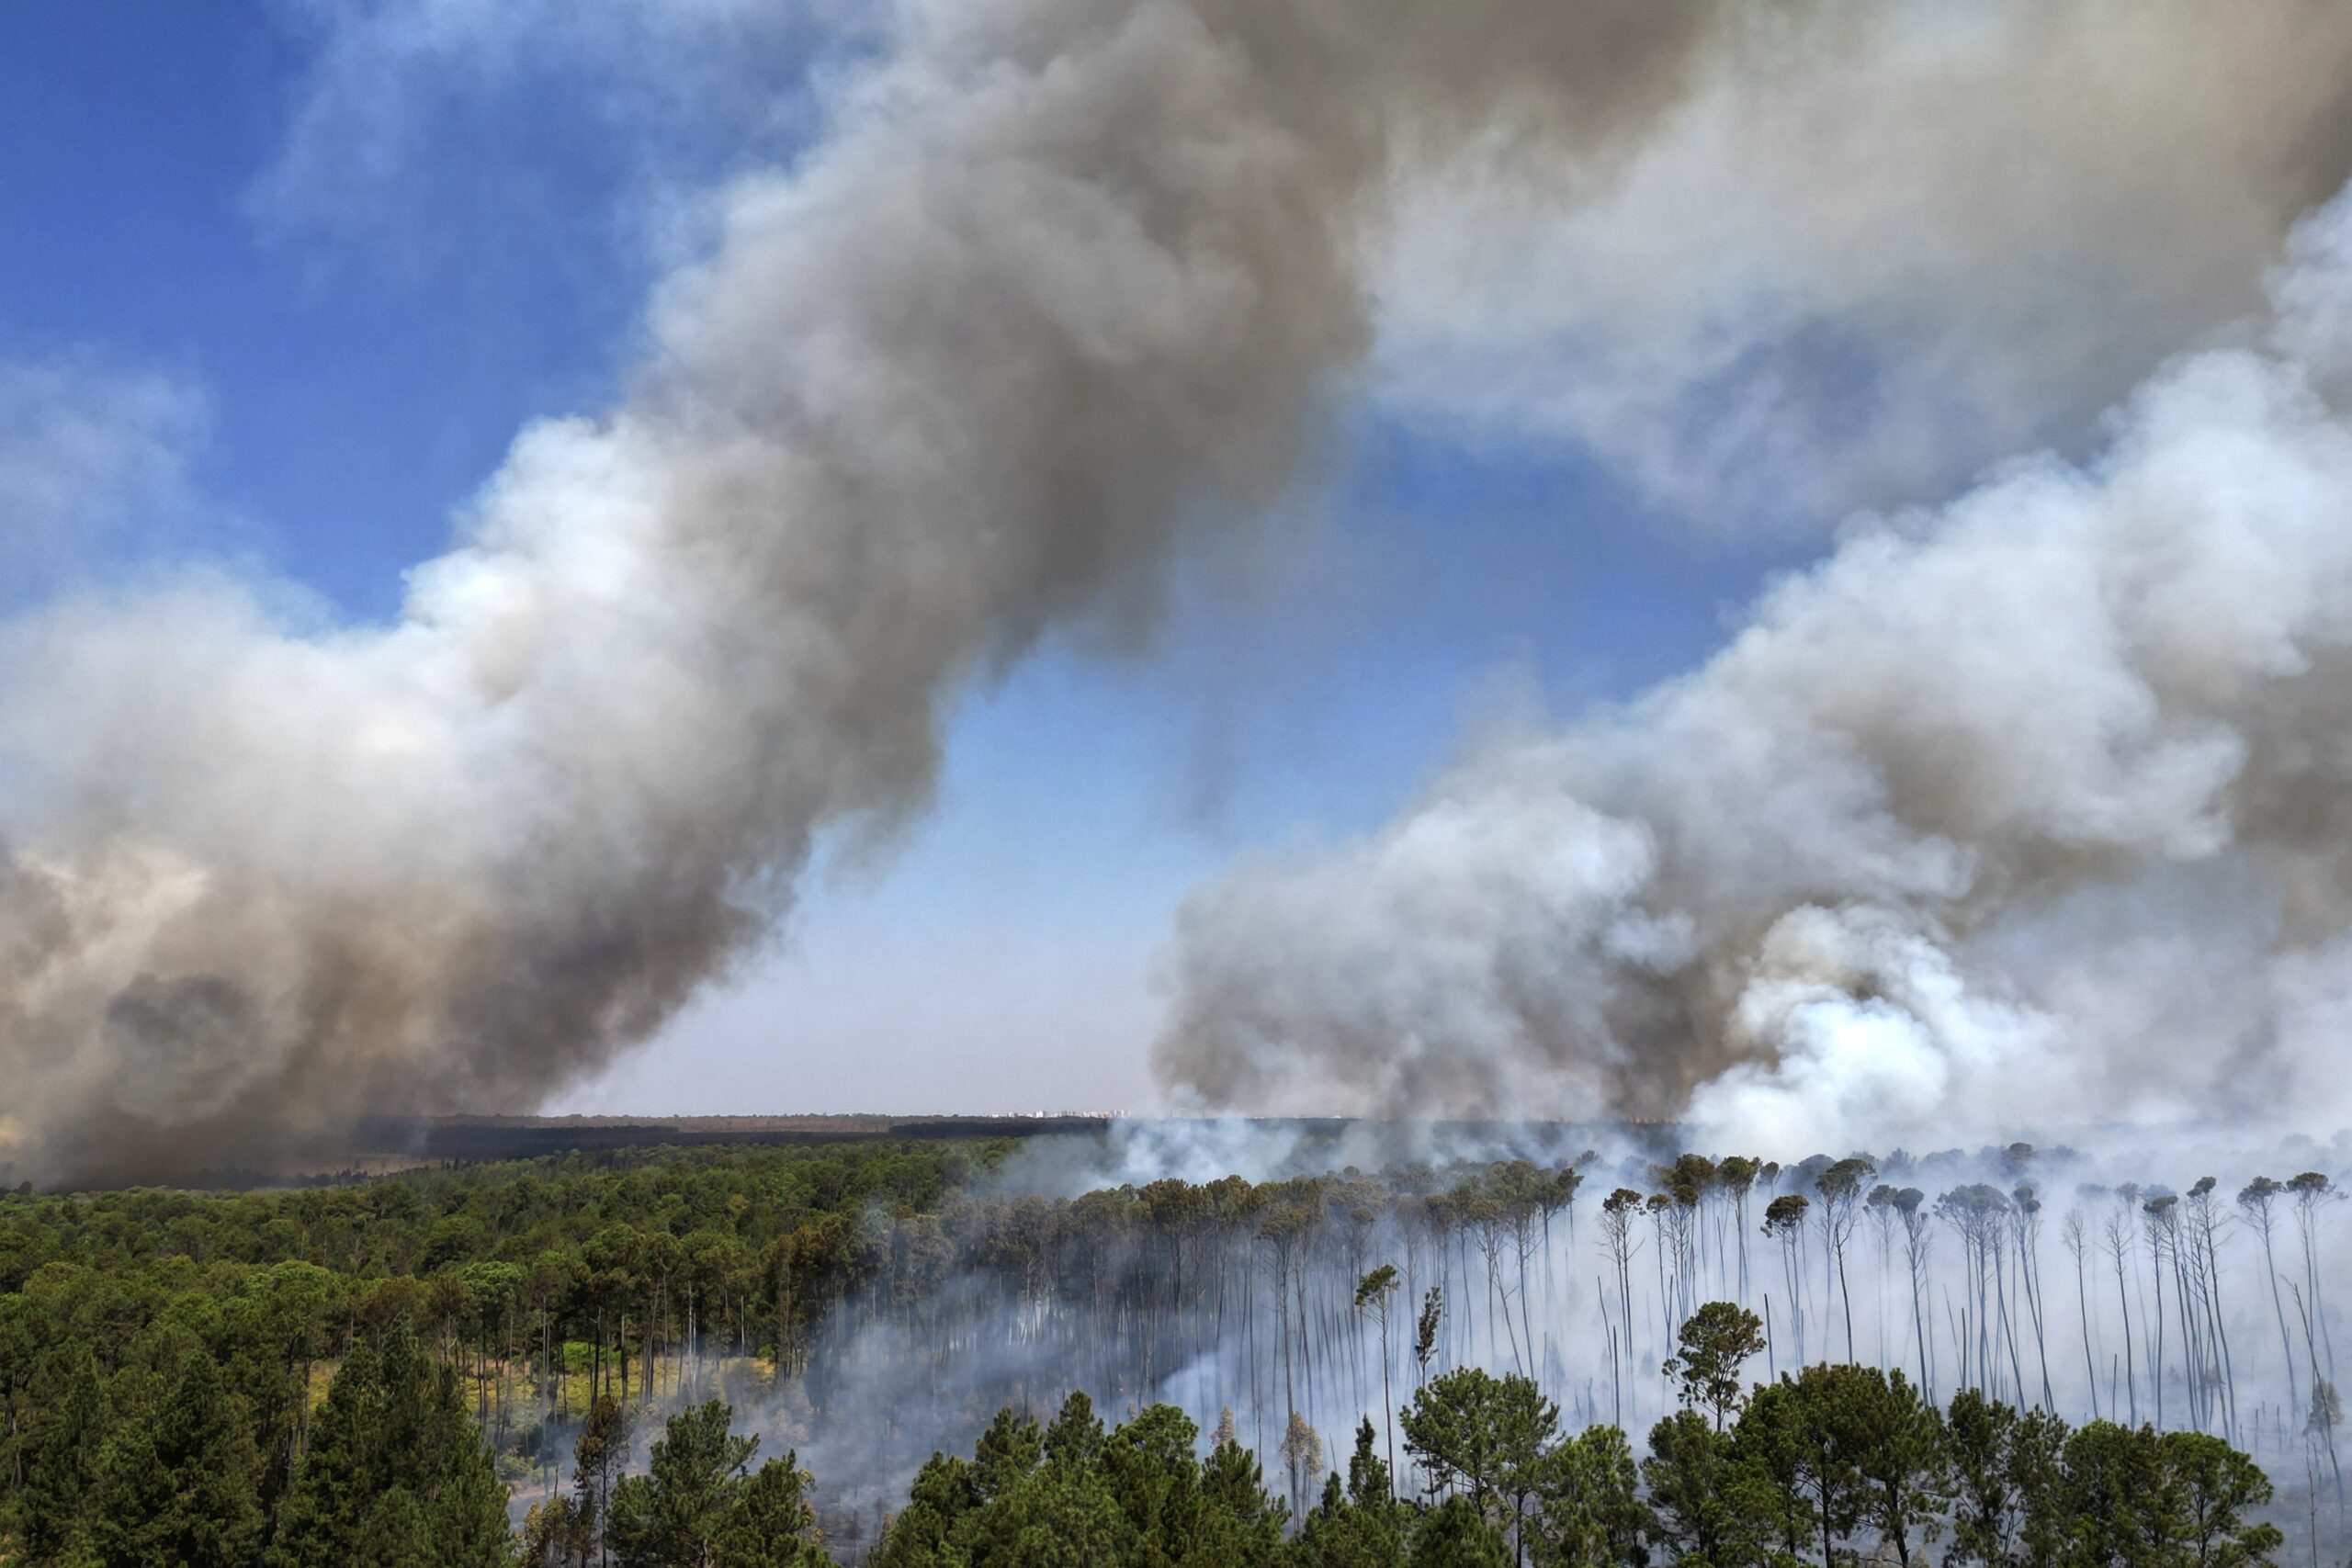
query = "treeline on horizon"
{"x": 659, "y": 1278}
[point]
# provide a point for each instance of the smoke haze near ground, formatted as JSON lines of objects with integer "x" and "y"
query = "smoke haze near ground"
{"x": 1067, "y": 288}
{"x": 2100, "y": 1277}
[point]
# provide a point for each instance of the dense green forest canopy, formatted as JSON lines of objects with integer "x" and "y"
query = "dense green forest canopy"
{"x": 1836, "y": 1464}
{"x": 119, "y": 1308}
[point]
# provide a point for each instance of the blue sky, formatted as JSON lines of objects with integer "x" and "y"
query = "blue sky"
{"x": 363, "y": 304}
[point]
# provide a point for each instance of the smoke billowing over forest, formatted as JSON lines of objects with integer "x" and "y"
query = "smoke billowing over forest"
{"x": 1935, "y": 994}
{"x": 2029, "y": 789}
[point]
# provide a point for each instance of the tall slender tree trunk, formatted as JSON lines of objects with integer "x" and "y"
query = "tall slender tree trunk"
{"x": 2083, "y": 1305}
{"x": 2131, "y": 1373}
{"x": 2286, "y": 1344}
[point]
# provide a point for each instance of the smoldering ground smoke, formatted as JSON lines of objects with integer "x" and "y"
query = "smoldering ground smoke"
{"x": 1064, "y": 287}
{"x": 2143, "y": 1280}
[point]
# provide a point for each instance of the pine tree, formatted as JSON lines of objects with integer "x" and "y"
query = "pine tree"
{"x": 1008, "y": 1450}
{"x": 1592, "y": 1514}
{"x": 320, "y": 1524}
{"x": 468, "y": 1512}
{"x": 598, "y": 1458}
{"x": 397, "y": 1534}
{"x": 408, "y": 1437}
{"x": 1715, "y": 1341}
{"x": 1242, "y": 1522}
{"x": 1698, "y": 1491}
{"x": 554, "y": 1535}
{"x": 1455, "y": 1534}
{"x": 394, "y": 1426}
{"x": 180, "y": 1490}
{"x": 670, "y": 1514}
{"x": 64, "y": 1471}
{"x": 771, "y": 1524}
{"x": 1361, "y": 1526}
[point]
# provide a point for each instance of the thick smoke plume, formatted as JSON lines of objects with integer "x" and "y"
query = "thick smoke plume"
{"x": 2026, "y": 809}
{"x": 1065, "y": 283}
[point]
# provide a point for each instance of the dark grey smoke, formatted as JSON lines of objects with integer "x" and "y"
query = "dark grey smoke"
{"x": 1062, "y": 284}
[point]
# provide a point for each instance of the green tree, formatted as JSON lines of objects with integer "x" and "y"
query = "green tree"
{"x": 1456, "y": 1534}
{"x": 1242, "y": 1522}
{"x": 2219, "y": 1487}
{"x": 327, "y": 1504}
{"x": 1074, "y": 1437}
{"x": 1009, "y": 1449}
{"x": 1891, "y": 1440}
{"x": 943, "y": 1493}
{"x": 467, "y": 1515}
{"x": 771, "y": 1524}
{"x": 2006, "y": 1484}
{"x": 1786, "y": 1442}
{"x": 669, "y": 1517}
{"x": 1079, "y": 1494}
{"x": 406, "y": 1445}
{"x": 1702, "y": 1495}
{"x": 599, "y": 1458}
{"x": 1593, "y": 1514}
{"x": 53, "y": 1507}
{"x": 2127, "y": 1512}
{"x": 180, "y": 1490}
{"x": 1148, "y": 1468}
{"x": 1830, "y": 1443}
{"x": 397, "y": 1534}
{"x": 1715, "y": 1342}
{"x": 1060, "y": 1513}
{"x": 1360, "y": 1526}
{"x": 393, "y": 1426}
{"x": 1486, "y": 1433}
{"x": 1451, "y": 1428}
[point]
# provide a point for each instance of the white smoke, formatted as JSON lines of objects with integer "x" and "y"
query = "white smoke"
{"x": 2022, "y": 810}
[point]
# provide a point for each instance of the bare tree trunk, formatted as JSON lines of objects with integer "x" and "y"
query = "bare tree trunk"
{"x": 2083, "y": 1305}
{"x": 2131, "y": 1373}
{"x": 2286, "y": 1343}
